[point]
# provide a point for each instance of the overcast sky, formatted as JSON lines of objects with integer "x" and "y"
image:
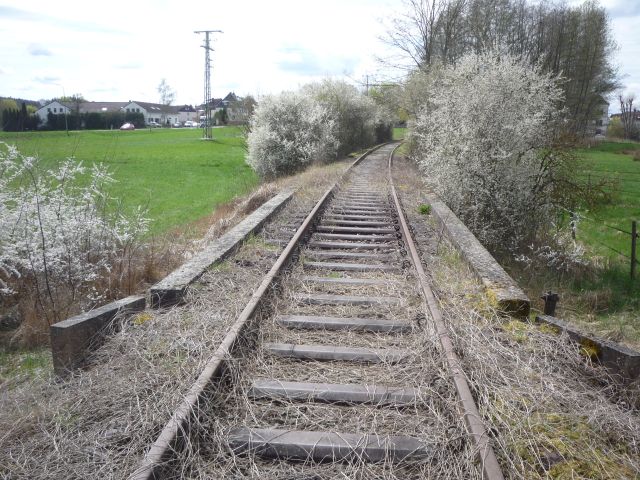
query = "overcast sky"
{"x": 118, "y": 51}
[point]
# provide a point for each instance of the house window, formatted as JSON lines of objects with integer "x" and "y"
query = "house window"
{"x": 137, "y": 110}
{"x": 49, "y": 110}
{"x": 599, "y": 123}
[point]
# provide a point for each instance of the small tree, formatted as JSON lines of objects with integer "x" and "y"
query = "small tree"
{"x": 482, "y": 139}
{"x": 628, "y": 115}
{"x": 289, "y": 131}
{"x": 356, "y": 116}
{"x": 615, "y": 128}
{"x": 167, "y": 94}
{"x": 58, "y": 236}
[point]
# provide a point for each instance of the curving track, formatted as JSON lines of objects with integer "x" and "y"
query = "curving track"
{"x": 337, "y": 373}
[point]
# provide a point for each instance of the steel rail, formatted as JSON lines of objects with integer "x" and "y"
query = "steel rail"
{"x": 168, "y": 440}
{"x": 473, "y": 421}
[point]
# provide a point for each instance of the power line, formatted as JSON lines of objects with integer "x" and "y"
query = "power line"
{"x": 206, "y": 132}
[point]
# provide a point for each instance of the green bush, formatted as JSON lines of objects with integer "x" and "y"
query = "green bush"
{"x": 424, "y": 209}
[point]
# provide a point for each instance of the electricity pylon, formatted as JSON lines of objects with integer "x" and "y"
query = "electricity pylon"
{"x": 206, "y": 131}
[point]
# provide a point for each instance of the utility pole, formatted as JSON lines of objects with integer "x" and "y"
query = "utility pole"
{"x": 206, "y": 131}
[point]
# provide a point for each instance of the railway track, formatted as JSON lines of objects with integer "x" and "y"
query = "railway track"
{"x": 338, "y": 372}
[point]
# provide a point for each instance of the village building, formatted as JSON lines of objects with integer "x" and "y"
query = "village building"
{"x": 165, "y": 115}
{"x": 598, "y": 126}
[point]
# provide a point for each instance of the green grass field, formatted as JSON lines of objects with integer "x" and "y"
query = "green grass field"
{"x": 178, "y": 176}
{"x": 399, "y": 133}
{"x": 609, "y": 302}
{"x": 602, "y": 229}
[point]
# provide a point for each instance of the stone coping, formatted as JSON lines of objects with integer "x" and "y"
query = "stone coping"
{"x": 71, "y": 338}
{"x": 617, "y": 358}
{"x": 171, "y": 290}
{"x": 503, "y": 292}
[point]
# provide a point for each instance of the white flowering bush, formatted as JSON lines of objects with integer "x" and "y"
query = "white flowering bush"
{"x": 481, "y": 137}
{"x": 357, "y": 117}
{"x": 59, "y": 238}
{"x": 287, "y": 132}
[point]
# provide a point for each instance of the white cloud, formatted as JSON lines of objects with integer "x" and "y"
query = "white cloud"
{"x": 38, "y": 50}
{"x": 121, "y": 50}
{"x": 135, "y": 44}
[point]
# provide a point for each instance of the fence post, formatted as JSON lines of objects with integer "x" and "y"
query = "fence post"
{"x": 634, "y": 241}
{"x": 550, "y": 301}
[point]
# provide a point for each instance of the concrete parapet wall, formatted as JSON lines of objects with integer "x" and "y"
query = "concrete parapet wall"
{"x": 617, "y": 358}
{"x": 172, "y": 288}
{"x": 71, "y": 338}
{"x": 503, "y": 292}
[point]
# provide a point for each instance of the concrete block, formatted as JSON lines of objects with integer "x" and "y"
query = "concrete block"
{"x": 323, "y": 254}
{"x": 355, "y": 223}
{"x": 327, "y": 299}
{"x": 351, "y": 245}
{"x": 325, "y": 446}
{"x": 336, "y": 353}
{"x": 356, "y": 230}
{"x": 503, "y": 292}
{"x": 312, "y": 322}
{"x": 346, "y": 281}
{"x": 172, "y": 288}
{"x": 71, "y": 338}
{"x": 334, "y": 393}
{"x": 351, "y": 267}
{"x": 617, "y": 358}
{"x": 362, "y": 218}
{"x": 346, "y": 236}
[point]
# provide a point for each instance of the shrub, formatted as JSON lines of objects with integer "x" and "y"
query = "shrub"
{"x": 288, "y": 132}
{"x": 424, "y": 209}
{"x": 58, "y": 237}
{"x": 481, "y": 137}
{"x": 359, "y": 121}
{"x": 615, "y": 128}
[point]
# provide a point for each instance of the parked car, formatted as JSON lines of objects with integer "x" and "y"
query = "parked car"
{"x": 190, "y": 124}
{"x": 154, "y": 125}
{"x": 176, "y": 125}
{"x": 128, "y": 126}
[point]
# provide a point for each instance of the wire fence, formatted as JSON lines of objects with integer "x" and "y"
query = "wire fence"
{"x": 632, "y": 232}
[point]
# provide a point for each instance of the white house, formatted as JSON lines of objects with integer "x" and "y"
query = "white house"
{"x": 233, "y": 105}
{"x": 154, "y": 112}
{"x": 598, "y": 126}
{"x": 188, "y": 113}
{"x": 55, "y": 107}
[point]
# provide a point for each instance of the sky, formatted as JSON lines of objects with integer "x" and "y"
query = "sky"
{"x": 120, "y": 51}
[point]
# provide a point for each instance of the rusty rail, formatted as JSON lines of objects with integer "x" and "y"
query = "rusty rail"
{"x": 178, "y": 425}
{"x": 475, "y": 427}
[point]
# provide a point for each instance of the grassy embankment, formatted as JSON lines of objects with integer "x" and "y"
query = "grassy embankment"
{"x": 399, "y": 133}
{"x": 179, "y": 177}
{"x": 176, "y": 175}
{"x": 605, "y": 300}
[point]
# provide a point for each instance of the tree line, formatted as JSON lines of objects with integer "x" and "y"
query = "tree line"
{"x": 572, "y": 42}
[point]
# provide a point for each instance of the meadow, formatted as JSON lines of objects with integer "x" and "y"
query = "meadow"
{"x": 608, "y": 301}
{"x": 603, "y": 228}
{"x": 172, "y": 172}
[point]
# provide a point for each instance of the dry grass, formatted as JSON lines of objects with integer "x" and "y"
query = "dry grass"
{"x": 432, "y": 418}
{"x": 553, "y": 413}
{"x": 98, "y": 423}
